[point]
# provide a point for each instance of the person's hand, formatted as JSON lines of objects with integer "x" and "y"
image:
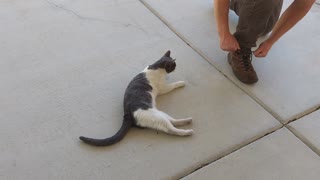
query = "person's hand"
{"x": 229, "y": 43}
{"x": 263, "y": 49}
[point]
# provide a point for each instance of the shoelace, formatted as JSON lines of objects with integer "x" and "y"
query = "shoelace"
{"x": 246, "y": 58}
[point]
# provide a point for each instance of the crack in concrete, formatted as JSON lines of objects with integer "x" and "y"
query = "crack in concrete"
{"x": 80, "y": 16}
{"x": 61, "y": 7}
{"x": 69, "y": 11}
{"x": 303, "y": 139}
{"x": 237, "y": 149}
{"x": 312, "y": 110}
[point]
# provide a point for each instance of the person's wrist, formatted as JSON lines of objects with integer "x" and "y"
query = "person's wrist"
{"x": 224, "y": 34}
{"x": 271, "y": 40}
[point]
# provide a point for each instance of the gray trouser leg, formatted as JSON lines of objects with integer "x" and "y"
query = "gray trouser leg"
{"x": 256, "y": 18}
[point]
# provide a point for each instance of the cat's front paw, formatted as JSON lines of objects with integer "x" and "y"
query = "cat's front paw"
{"x": 189, "y": 132}
{"x": 180, "y": 84}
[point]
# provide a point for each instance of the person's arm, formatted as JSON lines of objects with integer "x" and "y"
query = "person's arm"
{"x": 295, "y": 12}
{"x": 227, "y": 41}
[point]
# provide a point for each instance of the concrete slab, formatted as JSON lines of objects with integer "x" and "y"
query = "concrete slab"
{"x": 289, "y": 76}
{"x": 278, "y": 156}
{"x": 307, "y": 129}
{"x": 64, "y": 68}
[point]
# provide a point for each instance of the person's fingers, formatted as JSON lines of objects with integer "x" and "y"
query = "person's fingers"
{"x": 263, "y": 49}
{"x": 228, "y": 48}
{"x": 234, "y": 48}
{"x": 222, "y": 46}
{"x": 225, "y": 48}
{"x": 256, "y": 52}
{"x": 237, "y": 45}
{"x": 259, "y": 51}
{"x": 229, "y": 44}
{"x": 260, "y": 54}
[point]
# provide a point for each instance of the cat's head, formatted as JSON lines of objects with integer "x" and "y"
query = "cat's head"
{"x": 165, "y": 62}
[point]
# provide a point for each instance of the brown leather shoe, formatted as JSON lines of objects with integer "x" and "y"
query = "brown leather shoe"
{"x": 242, "y": 68}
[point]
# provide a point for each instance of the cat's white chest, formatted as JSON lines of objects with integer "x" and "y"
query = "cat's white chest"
{"x": 156, "y": 79}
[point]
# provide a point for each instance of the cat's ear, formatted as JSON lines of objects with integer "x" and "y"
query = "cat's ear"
{"x": 167, "y": 54}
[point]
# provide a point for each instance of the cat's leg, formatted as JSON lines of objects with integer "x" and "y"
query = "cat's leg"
{"x": 166, "y": 88}
{"x": 166, "y": 126}
{"x": 154, "y": 119}
{"x": 181, "y": 122}
{"x": 177, "y": 122}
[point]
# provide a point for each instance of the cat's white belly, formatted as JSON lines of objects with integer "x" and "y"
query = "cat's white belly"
{"x": 146, "y": 118}
{"x": 155, "y": 119}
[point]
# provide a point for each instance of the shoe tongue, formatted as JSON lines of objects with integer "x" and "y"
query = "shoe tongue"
{"x": 245, "y": 50}
{"x": 246, "y": 57}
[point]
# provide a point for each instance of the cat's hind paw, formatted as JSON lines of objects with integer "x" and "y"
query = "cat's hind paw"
{"x": 181, "y": 122}
{"x": 180, "y": 84}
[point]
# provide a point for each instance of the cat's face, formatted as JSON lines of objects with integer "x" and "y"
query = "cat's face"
{"x": 166, "y": 63}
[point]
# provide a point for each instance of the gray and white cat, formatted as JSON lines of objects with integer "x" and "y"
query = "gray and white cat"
{"x": 140, "y": 103}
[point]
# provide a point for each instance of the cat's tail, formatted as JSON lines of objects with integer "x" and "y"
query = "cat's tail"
{"x": 126, "y": 125}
